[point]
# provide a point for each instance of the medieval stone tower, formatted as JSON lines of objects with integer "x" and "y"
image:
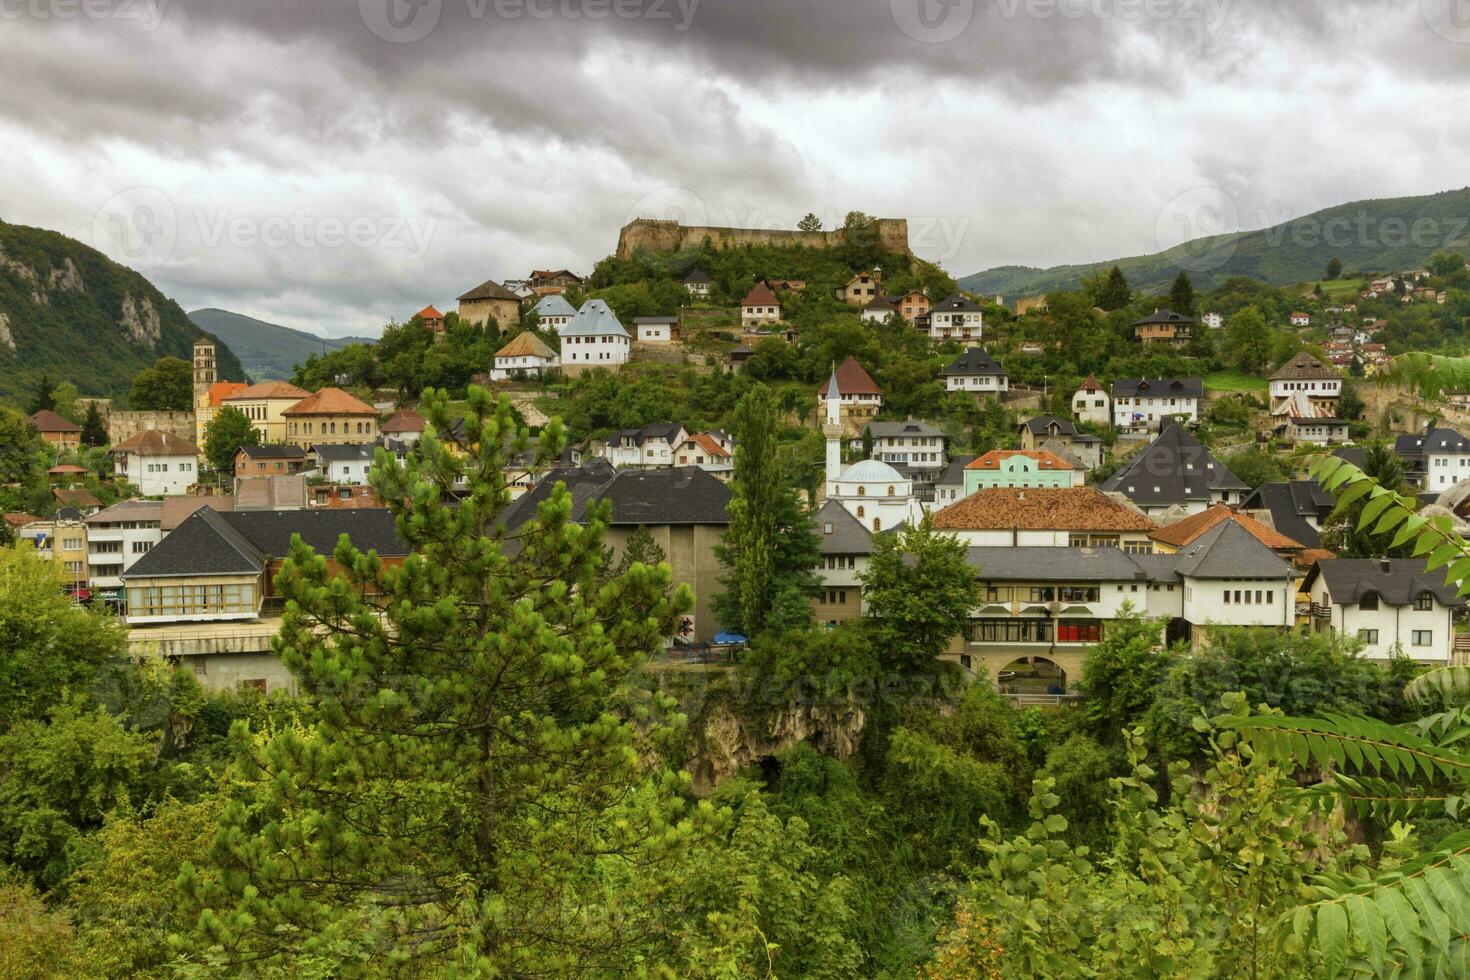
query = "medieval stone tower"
{"x": 204, "y": 378}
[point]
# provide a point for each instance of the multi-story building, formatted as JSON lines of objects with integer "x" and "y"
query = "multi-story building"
{"x": 64, "y": 541}
{"x": 1055, "y": 434}
{"x": 858, "y": 395}
{"x": 1022, "y": 468}
{"x": 526, "y": 356}
{"x": 845, "y": 546}
{"x": 1164, "y": 327}
{"x": 594, "y": 338}
{"x": 1050, "y": 517}
{"x": 116, "y": 538}
{"x": 61, "y": 433}
{"x": 956, "y": 318}
{"x": 264, "y": 404}
{"x": 1304, "y": 375}
{"x": 209, "y": 391}
{"x": 553, "y": 312}
{"x": 330, "y": 416}
{"x": 1140, "y": 404}
{"x": 861, "y": 289}
{"x": 652, "y": 446}
{"x": 698, "y": 283}
{"x": 910, "y": 445}
{"x": 1435, "y": 460}
{"x": 977, "y": 372}
{"x": 344, "y": 464}
{"x": 759, "y": 306}
{"x": 277, "y": 460}
{"x": 1395, "y": 607}
{"x": 490, "y": 301}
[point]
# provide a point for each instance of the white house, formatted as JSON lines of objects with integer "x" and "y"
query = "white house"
{"x": 1176, "y": 472}
{"x": 1301, "y": 320}
{"x": 976, "y": 372}
{"x": 655, "y": 329}
{"x": 956, "y": 318}
{"x": 157, "y": 463}
{"x": 878, "y": 311}
{"x": 594, "y": 338}
{"x": 697, "y": 283}
{"x": 651, "y": 446}
{"x": 346, "y": 464}
{"x": 1213, "y": 320}
{"x": 872, "y": 491}
{"x": 527, "y": 355}
{"x": 1304, "y": 374}
{"x": 1393, "y": 605}
{"x": 1092, "y": 403}
{"x": 912, "y": 444}
{"x": 1140, "y": 403}
{"x": 759, "y": 306}
{"x": 709, "y": 452}
{"x": 553, "y": 312}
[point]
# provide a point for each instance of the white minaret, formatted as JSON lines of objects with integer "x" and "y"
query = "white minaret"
{"x": 833, "y": 431}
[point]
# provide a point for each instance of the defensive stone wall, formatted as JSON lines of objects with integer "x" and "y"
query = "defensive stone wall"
{"x": 656, "y": 235}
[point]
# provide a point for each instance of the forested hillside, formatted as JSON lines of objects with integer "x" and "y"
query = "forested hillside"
{"x": 69, "y": 313}
{"x": 1367, "y": 236}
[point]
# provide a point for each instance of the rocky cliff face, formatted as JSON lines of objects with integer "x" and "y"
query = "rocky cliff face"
{"x": 727, "y": 735}
{"x": 69, "y": 313}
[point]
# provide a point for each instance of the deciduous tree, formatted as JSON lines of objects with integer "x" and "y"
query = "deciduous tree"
{"x": 225, "y": 434}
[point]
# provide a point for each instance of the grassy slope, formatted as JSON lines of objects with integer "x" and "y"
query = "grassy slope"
{"x": 267, "y": 350}
{"x": 1291, "y": 252}
{"x": 74, "y": 335}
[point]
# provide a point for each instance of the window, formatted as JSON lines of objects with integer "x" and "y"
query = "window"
{"x": 860, "y": 510}
{"x": 1423, "y": 638}
{"x": 1424, "y": 602}
{"x": 1369, "y": 601}
{"x": 1370, "y": 637}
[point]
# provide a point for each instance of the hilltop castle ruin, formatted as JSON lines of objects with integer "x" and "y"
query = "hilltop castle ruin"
{"x": 656, "y": 235}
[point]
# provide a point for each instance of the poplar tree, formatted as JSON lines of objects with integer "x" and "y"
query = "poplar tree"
{"x": 471, "y": 794}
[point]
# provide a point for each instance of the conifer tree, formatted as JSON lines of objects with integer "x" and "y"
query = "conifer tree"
{"x": 466, "y": 799}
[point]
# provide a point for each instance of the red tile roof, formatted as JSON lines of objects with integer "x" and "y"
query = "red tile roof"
{"x": 48, "y": 421}
{"x": 429, "y": 313}
{"x": 1183, "y": 532}
{"x": 1046, "y": 509}
{"x": 404, "y": 420}
{"x": 852, "y": 380}
{"x": 1048, "y": 461}
{"x": 221, "y": 390}
{"x": 331, "y": 401}
{"x": 707, "y": 442}
{"x": 269, "y": 389}
{"x": 760, "y": 295}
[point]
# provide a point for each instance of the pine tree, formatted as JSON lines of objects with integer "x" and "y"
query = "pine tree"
{"x": 1334, "y": 268}
{"x": 640, "y": 547}
{"x": 466, "y": 799}
{"x": 1114, "y": 293}
{"x": 1181, "y": 295}
{"x": 44, "y": 399}
{"x": 94, "y": 431}
{"x": 810, "y": 223}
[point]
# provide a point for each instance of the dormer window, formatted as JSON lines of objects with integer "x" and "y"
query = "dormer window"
{"x": 1424, "y": 602}
{"x": 1369, "y": 601}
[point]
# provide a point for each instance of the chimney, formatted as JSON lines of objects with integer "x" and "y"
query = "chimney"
{"x": 1383, "y": 565}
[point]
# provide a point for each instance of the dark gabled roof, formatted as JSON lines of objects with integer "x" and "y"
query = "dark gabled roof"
{"x": 211, "y": 542}
{"x": 847, "y": 535}
{"x": 1397, "y": 581}
{"x": 973, "y": 362}
{"x": 204, "y": 544}
{"x": 1163, "y": 316}
{"x": 679, "y": 495}
{"x": 1044, "y": 564}
{"x": 344, "y": 452}
{"x": 1176, "y": 387}
{"x": 1303, "y": 367}
{"x": 1438, "y": 440}
{"x": 667, "y": 431}
{"x": 697, "y": 275}
{"x": 1159, "y": 568}
{"x": 1290, "y": 504}
{"x": 957, "y": 303}
{"x": 1043, "y": 423}
{"x": 490, "y": 289}
{"x": 1229, "y": 551}
{"x": 274, "y": 452}
{"x": 954, "y": 473}
{"x": 656, "y": 319}
{"x": 911, "y": 427}
{"x": 1174, "y": 469}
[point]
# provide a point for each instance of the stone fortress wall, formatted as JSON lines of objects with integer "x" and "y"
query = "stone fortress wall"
{"x": 656, "y": 235}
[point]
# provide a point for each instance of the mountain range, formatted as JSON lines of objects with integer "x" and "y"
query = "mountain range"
{"x": 69, "y": 313}
{"x": 268, "y": 351}
{"x": 1382, "y": 235}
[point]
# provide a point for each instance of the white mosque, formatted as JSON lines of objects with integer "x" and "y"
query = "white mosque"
{"x": 870, "y": 490}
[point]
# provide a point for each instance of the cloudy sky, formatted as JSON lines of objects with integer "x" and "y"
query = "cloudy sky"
{"x": 331, "y": 164}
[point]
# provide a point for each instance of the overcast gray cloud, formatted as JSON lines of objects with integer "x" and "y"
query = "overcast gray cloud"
{"x": 331, "y": 165}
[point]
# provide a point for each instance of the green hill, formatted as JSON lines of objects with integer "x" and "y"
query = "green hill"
{"x": 1385, "y": 235}
{"x": 70, "y": 313}
{"x": 268, "y": 350}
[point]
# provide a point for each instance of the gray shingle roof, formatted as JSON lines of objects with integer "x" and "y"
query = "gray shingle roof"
{"x": 1041, "y": 424}
{"x": 954, "y": 473}
{"x": 273, "y": 452}
{"x": 345, "y": 453}
{"x": 1175, "y": 468}
{"x": 594, "y": 319}
{"x": 974, "y": 362}
{"x": 1163, "y": 316}
{"x": 911, "y": 427}
{"x": 1155, "y": 387}
{"x": 554, "y": 305}
{"x": 1044, "y": 564}
{"x": 1290, "y": 504}
{"x": 1397, "y": 581}
{"x": 1229, "y": 551}
{"x": 490, "y": 289}
{"x": 847, "y": 535}
{"x": 212, "y": 542}
{"x": 957, "y": 303}
{"x": 679, "y": 495}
